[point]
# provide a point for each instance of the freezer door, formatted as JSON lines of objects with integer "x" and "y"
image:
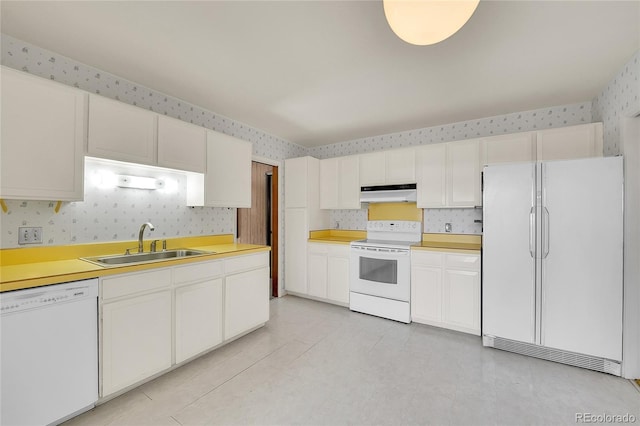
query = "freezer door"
{"x": 582, "y": 256}
{"x": 508, "y": 252}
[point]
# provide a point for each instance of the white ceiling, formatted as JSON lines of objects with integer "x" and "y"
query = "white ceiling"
{"x": 319, "y": 72}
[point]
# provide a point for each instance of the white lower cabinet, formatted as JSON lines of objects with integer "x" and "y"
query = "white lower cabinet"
{"x": 246, "y": 303}
{"x": 328, "y": 272}
{"x": 445, "y": 290}
{"x": 155, "y": 319}
{"x": 338, "y": 275}
{"x": 136, "y": 328}
{"x": 198, "y": 308}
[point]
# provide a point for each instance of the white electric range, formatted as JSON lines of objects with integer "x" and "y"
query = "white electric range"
{"x": 380, "y": 281}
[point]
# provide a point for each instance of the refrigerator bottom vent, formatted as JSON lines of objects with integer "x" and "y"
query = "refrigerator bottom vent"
{"x": 570, "y": 358}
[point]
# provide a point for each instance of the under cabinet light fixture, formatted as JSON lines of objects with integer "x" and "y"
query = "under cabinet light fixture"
{"x": 139, "y": 182}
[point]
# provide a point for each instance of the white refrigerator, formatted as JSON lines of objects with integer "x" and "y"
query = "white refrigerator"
{"x": 552, "y": 261}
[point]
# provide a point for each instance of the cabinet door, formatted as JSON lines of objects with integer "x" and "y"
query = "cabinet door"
{"x": 349, "y": 187}
{"x": 513, "y": 148}
{"x": 372, "y": 169}
{"x": 338, "y": 274}
{"x": 431, "y": 175}
{"x": 198, "y": 322}
{"x": 426, "y": 294}
{"x": 317, "y": 273}
{"x": 118, "y": 131}
{"x": 570, "y": 142}
{"x": 181, "y": 145}
{"x": 295, "y": 260}
{"x": 295, "y": 182}
{"x": 329, "y": 183}
{"x": 246, "y": 301}
{"x": 463, "y": 174}
{"x": 400, "y": 166}
{"x": 227, "y": 182}
{"x": 461, "y": 300}
{"x": 136, "y": 339}
{"x": 43, "y": 128}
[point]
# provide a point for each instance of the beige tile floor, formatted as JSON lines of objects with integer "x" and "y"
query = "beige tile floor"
{"x": 319, "y": 364}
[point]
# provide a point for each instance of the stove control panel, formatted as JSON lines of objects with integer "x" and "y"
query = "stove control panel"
{"x": 394, "y": 226}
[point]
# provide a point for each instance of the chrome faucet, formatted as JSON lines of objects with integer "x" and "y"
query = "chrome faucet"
{"x": 141, "y": 234}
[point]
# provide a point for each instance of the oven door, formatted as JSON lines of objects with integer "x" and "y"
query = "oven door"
{"x": 381, "y": 271}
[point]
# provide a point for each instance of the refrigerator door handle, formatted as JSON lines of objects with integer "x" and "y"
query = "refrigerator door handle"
{"x": 532, "y": 228}
{"x": 545, "y": 240}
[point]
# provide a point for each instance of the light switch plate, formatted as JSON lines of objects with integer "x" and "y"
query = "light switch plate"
{"x": 29, "y": 235}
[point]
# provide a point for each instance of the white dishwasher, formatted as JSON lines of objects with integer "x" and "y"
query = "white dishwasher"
{"x": 48, "y": 353}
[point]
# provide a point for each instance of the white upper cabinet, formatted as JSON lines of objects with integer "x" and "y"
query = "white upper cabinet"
{"x": 119, "y": 131}
{"x": 372, "y": 169}
{"x": 349, "y": 196}
{"x": 510, "y": 148}
{"x": 329, "y": 184}
{"x": 449, "y": 175}
{"x": 43, "y": 130}
{"x": 298, "y": 182}
{"x": 566, "y": 143}
{"x": 431, "y": 171}
{"x": 463, "y": 174}
{"x": 400, "y": 166}
{"x": 181, "y": 145}
{"x": 388, "y": 167}
{"x": 227, "y": 182}
{"x": 340, "y": 183}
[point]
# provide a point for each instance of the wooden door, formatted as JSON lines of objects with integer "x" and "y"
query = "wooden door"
{"x": 259, "y": 224}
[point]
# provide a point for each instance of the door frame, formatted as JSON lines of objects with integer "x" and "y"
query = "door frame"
{"x": 276, "y": 243}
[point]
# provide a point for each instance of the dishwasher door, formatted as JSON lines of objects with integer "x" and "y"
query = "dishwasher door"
{"x": 49, "y": 353}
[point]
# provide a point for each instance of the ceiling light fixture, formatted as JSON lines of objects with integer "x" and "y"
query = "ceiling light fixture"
{"x": 424, "y": 22}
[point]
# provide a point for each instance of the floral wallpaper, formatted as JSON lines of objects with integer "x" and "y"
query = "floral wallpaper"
{"x": 619, "y": 98}
{"x": 463, "y": 221}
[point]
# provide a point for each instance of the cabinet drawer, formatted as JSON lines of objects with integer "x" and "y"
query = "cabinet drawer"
{"x": 339, "y": 250}
{"x": 317, "y": 248}
{"x": 197, "y": 272}
{"x": 244, "y": 263}
{"x": 463, "y": 261}
{"x": 426, "y": 258}
{"x": 125, "y": 285}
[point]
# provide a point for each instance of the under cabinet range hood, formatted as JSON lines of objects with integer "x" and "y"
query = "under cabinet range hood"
{"x": 405, "y": 193}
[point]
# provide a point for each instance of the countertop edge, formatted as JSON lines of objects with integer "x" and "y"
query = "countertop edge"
{"x": 94, "y": 271}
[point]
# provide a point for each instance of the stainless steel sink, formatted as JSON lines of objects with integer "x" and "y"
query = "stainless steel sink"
{"x": 128, "y": 259}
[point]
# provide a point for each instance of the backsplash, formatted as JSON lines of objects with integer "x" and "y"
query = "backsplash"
{"x": 620, "y": 98}
{"x": 462, "y": 220}
{"x": 115, "y": 214}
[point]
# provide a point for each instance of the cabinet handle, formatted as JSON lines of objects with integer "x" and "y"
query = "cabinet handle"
{"x": 532, "y": 227}
{"x": 545, "y": 242}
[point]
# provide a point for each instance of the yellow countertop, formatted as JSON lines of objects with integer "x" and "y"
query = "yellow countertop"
{"x": 32, "y": 267}
{"x": 449, "y": 242}
{"x": 336, "y": 236}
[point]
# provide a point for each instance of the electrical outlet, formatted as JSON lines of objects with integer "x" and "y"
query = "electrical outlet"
{"x": 447, "y": 227}
{"x": 29, "y": 235}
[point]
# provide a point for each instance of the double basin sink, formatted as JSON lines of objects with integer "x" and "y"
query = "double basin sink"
{"x": 136, "y": 258}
